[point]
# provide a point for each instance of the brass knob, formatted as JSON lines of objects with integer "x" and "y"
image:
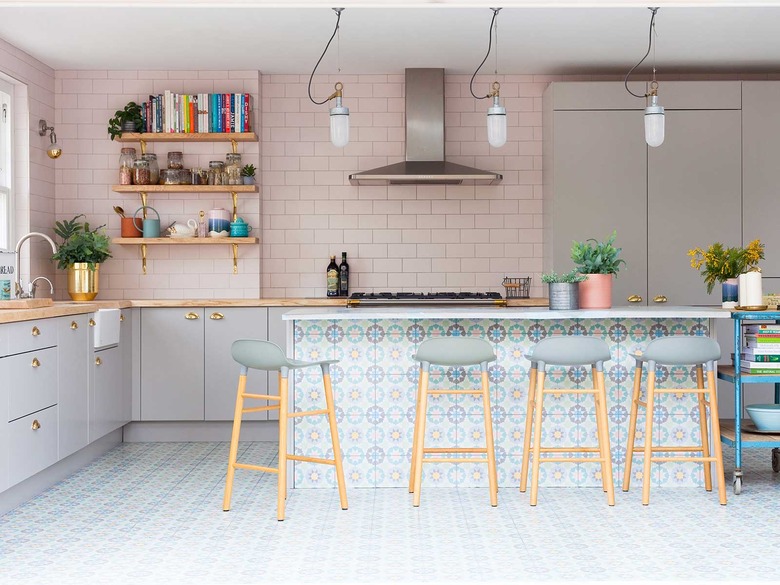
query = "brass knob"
{"x": 91, "y": 322}
{"x": 98, "y": 361}
{"x": 216, "y": 316}
{"x": 36, "y": 332}
{"x": 74, "y": 325}
{"x": 635, "y": 299}
{"x": 121, "y": 318}
{"x": 191, "y": 316}
{"x": 35, "y": 363}
{"x": 36, "y": 425}
{"x": 660, "y": 299}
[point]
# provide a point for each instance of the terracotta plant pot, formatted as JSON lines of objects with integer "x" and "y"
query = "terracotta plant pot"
{"x": 596, "y": 292}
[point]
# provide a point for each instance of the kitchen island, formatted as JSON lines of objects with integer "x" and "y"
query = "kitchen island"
{"x": 375, "y": 385}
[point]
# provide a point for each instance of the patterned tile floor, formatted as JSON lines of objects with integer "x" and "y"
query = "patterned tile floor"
{"x": 151, "y": 512}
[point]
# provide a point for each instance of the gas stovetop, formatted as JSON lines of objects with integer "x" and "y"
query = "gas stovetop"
{"x": 410, "y": 298}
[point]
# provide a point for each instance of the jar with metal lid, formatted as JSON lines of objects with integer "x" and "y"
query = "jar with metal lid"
{"x": 175, "y": 160}
{"x": 154, "y": 168}
{"x": 126, "y": 160}
{"x": 141, "y": 173}
{"x": 216, "y": 167}
{"x": 233, "y": 168}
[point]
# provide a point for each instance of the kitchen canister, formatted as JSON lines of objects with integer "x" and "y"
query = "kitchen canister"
{"x": 150, "y": 228}
{"x": 219, "y": 222}
{"x": 239, "y": 228}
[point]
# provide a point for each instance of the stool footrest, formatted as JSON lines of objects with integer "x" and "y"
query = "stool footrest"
{"x": 682, "y": 390}
{"x": 569, "y": 450}
{"x": 259, "y": 408}
{"x": 570, "y": 391}
{"x": 307, "y": 413}
{"x": 261, "y": 396}
{"x": 571, "y": 459}
{"x": 312, "y": 459}
{"x": 455, "y": 450}
{"x": 256, "y": 467}
{"x": 639, "y": 450}
{"x": 473, "y": 392}
{"x": 454, "y": 460}
{"x": 701, "y": 459}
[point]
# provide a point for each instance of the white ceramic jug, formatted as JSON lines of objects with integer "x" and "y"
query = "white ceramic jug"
{"x": 182, "y": 230}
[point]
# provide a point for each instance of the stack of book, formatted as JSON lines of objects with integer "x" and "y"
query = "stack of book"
{"x": 761, "y": 350}
{"x": 202, "y": 112}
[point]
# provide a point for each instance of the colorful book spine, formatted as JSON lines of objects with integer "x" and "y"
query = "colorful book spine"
{"x": 757, "y": 357}
{"x": 771, "y": 371}
{"x": 247, "y": 125}
{"x": 239, "y": 112}
{"x": 756, "y": 328}
{"x": 765, "y": 345}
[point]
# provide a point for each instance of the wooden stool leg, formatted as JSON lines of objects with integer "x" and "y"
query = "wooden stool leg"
{"x": 420, "y": 424}
{"x": 491, "y": 451}
{"x": 283, "y": 416}
{"x": 600, "y": 425}
{"x": 648, "y": 433}
{"x": 716, "y": 444}
{"x": 529, "y": 421}
{"x": 705, "y": 443}
{"x": 233, "y": 456}
{"x": 537, "y": 433}
{"x": 632, "y": 426}
{"x": 334, "y": 436}
{"x": 416, "y": 436}
{"x": 610, "y": 481}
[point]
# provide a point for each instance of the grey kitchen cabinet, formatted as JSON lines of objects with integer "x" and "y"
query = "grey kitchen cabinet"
{"x": 761, "y": 171}
{"x": 109, "y": 403}
{"x": 172, "y": 364}
{"x": 4, "y": 389}
{"x": 31, "y": 444}
{"x": 74, "y": 350}
{"x": 223, "y": 326}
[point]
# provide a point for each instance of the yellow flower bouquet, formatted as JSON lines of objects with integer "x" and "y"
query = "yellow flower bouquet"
{"x": 718, "y": 263}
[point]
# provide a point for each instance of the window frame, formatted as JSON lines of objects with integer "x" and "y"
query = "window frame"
{"x": 7, "y": 143}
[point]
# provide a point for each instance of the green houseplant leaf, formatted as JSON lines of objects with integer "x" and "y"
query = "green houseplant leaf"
{"x": 80, "y": 243}
{"x": 130, "y": 113}
{"x": 248, "y": 171}
{"x": 569, "y": 277}
{"x": 594, "y": 257}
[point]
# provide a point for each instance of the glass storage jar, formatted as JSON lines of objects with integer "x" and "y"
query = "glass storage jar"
{"x": 154, "y": 168}
{"x": 175, "y": 160}
{"x": 216, "y": 168}
{"x": 233, "y": 168}
{"x": 141, "y": 173}
{"x": 126, "y": 160}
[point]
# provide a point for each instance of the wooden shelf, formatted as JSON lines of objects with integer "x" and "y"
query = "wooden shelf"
{"x": 187, "y": 137}
{"x": 727, "y": 373}
{"x": 185, "y": 241}
{"x": 184, "y": 188}
{"x": 750, "y": 438}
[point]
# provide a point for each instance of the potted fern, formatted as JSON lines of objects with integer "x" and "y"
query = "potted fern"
{"x": 598, "y": 262}
{"x": 564, "y": 289}
{"x": 81, "y": 252}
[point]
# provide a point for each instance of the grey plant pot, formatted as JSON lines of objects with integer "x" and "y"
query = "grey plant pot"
{"x": 128, "y": 126}
{"x": 248, "y": 180}
{"x": 564, "y": 296}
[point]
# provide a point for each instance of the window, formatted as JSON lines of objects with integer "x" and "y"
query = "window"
{"x": 6, "y": 164}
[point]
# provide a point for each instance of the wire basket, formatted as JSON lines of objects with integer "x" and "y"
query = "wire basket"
{"x": 517, "y": 288}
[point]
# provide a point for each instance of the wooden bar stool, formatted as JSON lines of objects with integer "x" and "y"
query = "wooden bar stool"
{"x": 264, "y": 355}
{"x": 452, "y": 351}
{"x": 677, "y": 351}
{"x": 566, "y": 351}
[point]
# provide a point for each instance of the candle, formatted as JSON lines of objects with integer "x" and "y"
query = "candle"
{"x": 754, "y": 295}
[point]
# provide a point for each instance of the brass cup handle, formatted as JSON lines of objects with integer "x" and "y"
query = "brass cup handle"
{"x": 634, "y": 299}
{"x": 36, "y": 363}
{"x": 217, "y": 316}
{"x": 660, "y": 299}
{"x": 74, "y": 325}
{"x": 91, "y": 322}
{"x": 36, "y": 332}
{"x": 191, "y": 316}
{"x": 98, "y": 361}
{"x": 121, "y": 318}
{"x": 36, "y": 425}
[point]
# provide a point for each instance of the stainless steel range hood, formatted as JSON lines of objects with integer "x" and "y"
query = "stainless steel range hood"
{"x": 425, "y": 164}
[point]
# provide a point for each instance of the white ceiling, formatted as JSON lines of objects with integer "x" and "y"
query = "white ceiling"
{"x": 257, "y": 35}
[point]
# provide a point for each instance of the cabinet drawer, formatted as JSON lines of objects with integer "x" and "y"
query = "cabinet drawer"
{"x": 29, "y": 335}
{"x": 32, "y": 444}
{"x": 4, "y": 331}
{"x": 34, "y": 387}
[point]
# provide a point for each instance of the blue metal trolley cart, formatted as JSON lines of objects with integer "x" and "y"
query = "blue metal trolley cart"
{"x": 732, "y": 432}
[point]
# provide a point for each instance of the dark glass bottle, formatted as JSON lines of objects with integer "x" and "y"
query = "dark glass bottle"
{"x": 333, "y": 277}
{"x": 344, "y": 276}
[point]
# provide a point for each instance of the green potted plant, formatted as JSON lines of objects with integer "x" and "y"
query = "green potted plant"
{"x": 126, "y": 120}
{"x": 81, "y": 252}
{"x": 724, "y": 265}
{"x": 598, "y": 262}
{"x": 248, "y": 174}
{"x": 564, "y": 289}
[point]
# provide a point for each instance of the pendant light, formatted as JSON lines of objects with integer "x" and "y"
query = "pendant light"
{"x": 654, "y": 113}
{"x": 339, "y": 114}
{"x": 496, "y": 114}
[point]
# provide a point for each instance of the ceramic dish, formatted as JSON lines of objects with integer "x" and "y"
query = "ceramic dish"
{"x": 766, "y": 417}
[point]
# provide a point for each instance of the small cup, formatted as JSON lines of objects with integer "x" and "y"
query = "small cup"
{"x": 128, "y": 228}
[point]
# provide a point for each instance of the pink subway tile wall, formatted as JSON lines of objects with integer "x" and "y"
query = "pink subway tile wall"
{"x": 34, "y": 176}
{"x": 89, "y": 167}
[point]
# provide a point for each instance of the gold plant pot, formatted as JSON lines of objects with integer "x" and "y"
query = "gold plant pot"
{"x": 83, "y": 282}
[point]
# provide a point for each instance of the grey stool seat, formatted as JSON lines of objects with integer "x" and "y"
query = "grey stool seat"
{"x": 265, "y": 355}
{"x": 570, "y": 350}
{"x": 701, "y": 352}
{"x": 452, "y": 351}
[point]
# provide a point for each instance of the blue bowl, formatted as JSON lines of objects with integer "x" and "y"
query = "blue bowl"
{"x": 766, "y": 417}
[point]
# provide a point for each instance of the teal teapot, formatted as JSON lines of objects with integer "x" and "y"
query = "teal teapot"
{"x": 239, "y": 228}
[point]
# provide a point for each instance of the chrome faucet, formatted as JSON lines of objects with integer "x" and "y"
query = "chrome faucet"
{"x": 32, "y": 286}
{"x": 20, "y": 294}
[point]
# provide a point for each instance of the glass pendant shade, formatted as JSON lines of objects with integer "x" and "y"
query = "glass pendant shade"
{"x": 339, "y": 125}
{"x": 496, "y": 124}
{"x": 654, "y": 123}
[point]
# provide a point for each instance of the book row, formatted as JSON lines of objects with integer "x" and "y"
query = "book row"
{"x": 201, "y": 112}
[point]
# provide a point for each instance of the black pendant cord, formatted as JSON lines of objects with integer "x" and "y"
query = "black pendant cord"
{"x": 490, "y": 45}
{"x": 335, "y": 30}
{"x": 649, "y": 47}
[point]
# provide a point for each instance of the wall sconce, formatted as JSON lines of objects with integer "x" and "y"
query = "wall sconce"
{"x": 54, "y": 150}
{"x": 339, "y": 114}
{"x": 496, "y": 114}
{"x": 654, "y": 113}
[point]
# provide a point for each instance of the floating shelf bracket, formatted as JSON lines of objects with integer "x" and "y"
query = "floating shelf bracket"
{"x": 235, "y": 146}
{"x": 235, "y": 258}
{"x": 143, "y": 146}
{"x": 144, "y": 199}
{"x": 143, "y": 257}
{"x": 234, "y": 195}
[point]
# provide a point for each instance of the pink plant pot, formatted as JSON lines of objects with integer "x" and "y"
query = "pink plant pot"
{"x": 596, "y": 292}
